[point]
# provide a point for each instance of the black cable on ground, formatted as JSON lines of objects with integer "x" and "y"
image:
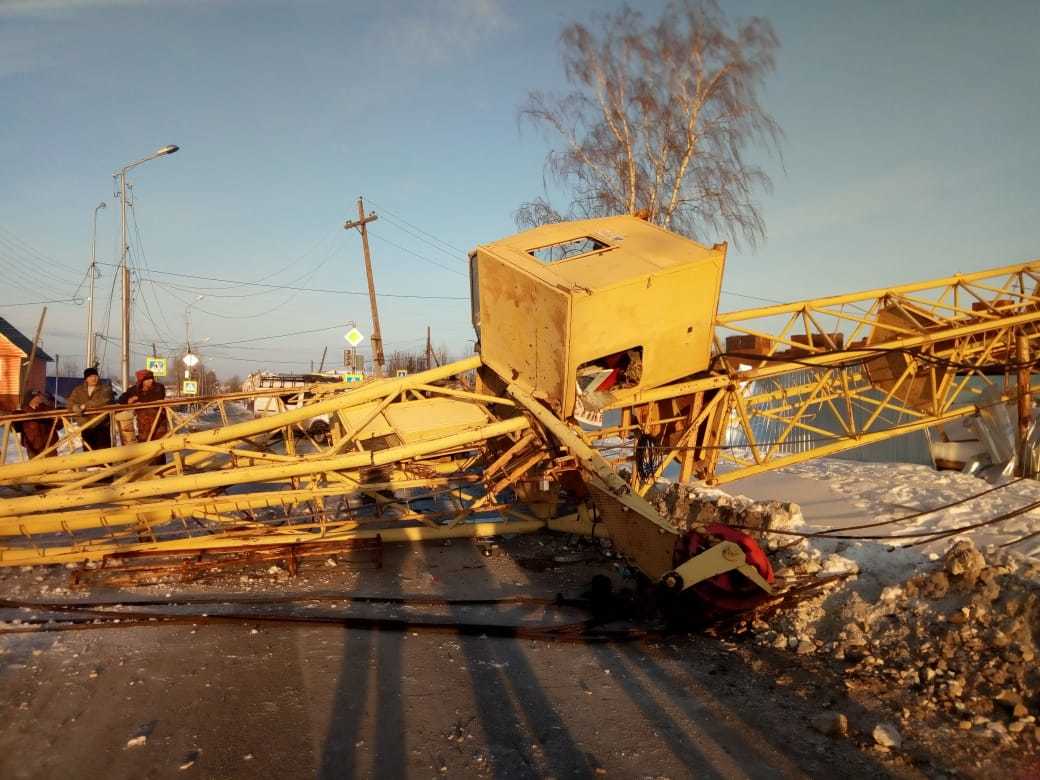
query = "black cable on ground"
{"x": 87, "y": 615}
{"x": 925, "y": 537}
{"x": 558, "y": 601}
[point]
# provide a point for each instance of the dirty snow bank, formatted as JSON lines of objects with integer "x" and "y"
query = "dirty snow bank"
{"x": 954, "y": 635}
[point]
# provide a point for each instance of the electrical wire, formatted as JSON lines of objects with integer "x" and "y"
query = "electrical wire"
{"x": 753, "y": 297}
{"x": 37, "y": 285}
{"x": 144, "y": 259}
{"x": 306, "y": 289}
{"x": 264, "y": 312}
{"x": 424, "y": 258}
{"x": 398, "y": 217}
{"x": 76, "y": 301}
{"x": 280, "y": 335}
{"x": 10, "y": 238}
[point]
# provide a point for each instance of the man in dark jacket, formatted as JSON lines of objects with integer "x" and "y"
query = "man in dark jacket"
{"x": 37, "y": 435}
{"x": 92, "y": 394}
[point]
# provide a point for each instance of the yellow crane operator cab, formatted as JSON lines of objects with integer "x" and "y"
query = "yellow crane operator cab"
{"x": 587, "y": 313}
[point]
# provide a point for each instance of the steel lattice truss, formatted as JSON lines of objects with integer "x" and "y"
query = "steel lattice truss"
{"x": 871, "y": 365}
{"x": 425, "y": 456}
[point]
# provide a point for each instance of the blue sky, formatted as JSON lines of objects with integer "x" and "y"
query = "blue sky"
{"x": 910, "y": 152}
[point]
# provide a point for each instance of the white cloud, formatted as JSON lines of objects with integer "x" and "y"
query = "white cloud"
{"x": 28, "y": 7}
{"x": 438, "y": 31}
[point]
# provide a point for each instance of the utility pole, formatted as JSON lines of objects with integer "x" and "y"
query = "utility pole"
{"x": 124, "y": 249}
{"x": 91, "y": 347}
{"x": 377, "y": 336}
{"x": 124, "y": 270}
{"x": 429, "y": 350}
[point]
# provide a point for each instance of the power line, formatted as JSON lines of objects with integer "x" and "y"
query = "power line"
{"x": 77, "y": 301}
{"x": 398, "y": 217}
{"x": 144, "y": 259}
{"x": 302, "y": 289}
{"x": 25, "y": 248}
{"x": 267, "y": 310}
{"x": 35, "y": 284}
{"x": 424, "y": 258}
{"x": 752, "y": 297}
{"x": 450, "y": 253}
{"x": 281, "y": 335}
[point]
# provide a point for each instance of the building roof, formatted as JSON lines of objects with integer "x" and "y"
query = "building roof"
{"x": 20, "y": 340}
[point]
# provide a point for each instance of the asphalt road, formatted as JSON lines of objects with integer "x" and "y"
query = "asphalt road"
{"x": 245, "y": 700}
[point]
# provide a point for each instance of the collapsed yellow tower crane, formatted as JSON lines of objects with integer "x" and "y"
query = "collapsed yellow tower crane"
{"x": 601, "y": 361}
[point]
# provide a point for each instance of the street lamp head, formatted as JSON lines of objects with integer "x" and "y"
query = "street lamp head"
{"x": 167, "y": 150}
{"x": 101, "y": 205}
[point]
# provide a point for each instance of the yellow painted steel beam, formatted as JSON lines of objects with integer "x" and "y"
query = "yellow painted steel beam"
{"x": 224, "y": 478}
{"x": 842, "y": 445}
{"x": 164, "y": 510}
{"x": 593, "y": 463}
{"x": 717, "y": 381}
{"x": 19, "y": 472}
{"x": 880, "y": 292}
{"x": 27, "y": 556}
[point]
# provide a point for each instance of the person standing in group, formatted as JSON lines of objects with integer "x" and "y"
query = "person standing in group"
{"x": 151, "y": 421}
{"x": 37, "y": 435}
{"x": 92, "y": 394}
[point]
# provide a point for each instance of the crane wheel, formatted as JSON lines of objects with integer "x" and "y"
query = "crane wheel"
{"x": 732, "y": 591}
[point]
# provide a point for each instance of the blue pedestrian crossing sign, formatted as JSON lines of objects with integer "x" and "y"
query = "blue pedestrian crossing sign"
{"x": 157, "y": 365}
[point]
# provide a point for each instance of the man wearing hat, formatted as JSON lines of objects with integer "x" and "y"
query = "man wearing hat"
{"x": 92, "y": 394}
{"x": 151, "y": 421}
{"x": 37, "y": 435}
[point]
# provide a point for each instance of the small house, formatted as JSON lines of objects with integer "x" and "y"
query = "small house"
{"x": 15, "y": 348}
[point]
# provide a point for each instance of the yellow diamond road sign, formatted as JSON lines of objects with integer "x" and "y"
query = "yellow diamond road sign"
{"x": 354, "y": 337}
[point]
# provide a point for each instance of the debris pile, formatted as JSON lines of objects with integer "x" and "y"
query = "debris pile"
{"x": 959, "y": 635}
{"x": 693, "y": 505}
{"x": 954, "y": 637}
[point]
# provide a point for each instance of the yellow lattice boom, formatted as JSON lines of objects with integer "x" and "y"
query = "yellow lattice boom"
{"x": 599, "y": 341}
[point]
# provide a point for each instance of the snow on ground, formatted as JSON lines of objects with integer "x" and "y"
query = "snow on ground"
{"x": 837, "y": 495}
{"x": 886, "y": 491}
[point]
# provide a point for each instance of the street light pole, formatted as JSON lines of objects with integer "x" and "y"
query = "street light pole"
{"x": 124, "y": 250}
{"x": 125, "y": 271}
{"x": 93, "y": 275}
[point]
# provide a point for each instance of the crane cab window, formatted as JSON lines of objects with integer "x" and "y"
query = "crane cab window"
{"x": 565, "y": 250}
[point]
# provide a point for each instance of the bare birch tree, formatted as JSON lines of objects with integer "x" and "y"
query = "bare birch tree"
{"x": 660, "y": 121}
